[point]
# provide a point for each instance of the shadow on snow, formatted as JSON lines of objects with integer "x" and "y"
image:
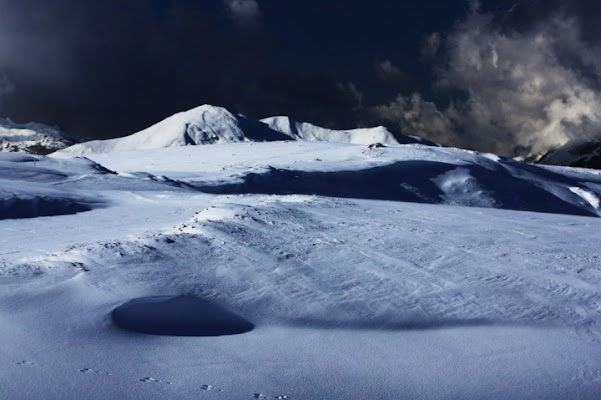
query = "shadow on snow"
{"x": 509, "y": 185}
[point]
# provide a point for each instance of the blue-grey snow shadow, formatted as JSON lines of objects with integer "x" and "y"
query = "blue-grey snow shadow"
{"x": 178, "y": 316}
{"x": 398, "y": 324}
{"x": 43, "y": 206}
{"x": 510, "y": 185}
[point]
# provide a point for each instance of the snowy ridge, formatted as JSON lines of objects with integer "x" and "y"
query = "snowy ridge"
{"x": 365, "y": 136}
{"x": 215, "y": 125}
{"x": 32, "y": 138}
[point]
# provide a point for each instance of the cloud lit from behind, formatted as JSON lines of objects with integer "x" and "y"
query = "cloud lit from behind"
{"x": 524, "y": 92}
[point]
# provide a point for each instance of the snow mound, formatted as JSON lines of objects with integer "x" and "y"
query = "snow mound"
{"x": 365, "y": 136}
{"x": 202, "y": 125}
{"x": 178, "y": 316}
{"x": 32, "y": 138}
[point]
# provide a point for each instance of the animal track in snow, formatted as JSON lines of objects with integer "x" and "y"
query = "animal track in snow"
{"x": 209, "y": 388}
{"x": 25, "y": 362}
{"x": 149, "y": 379}
{"x": 262, "y": 396}
{"x": 93, "y": 371}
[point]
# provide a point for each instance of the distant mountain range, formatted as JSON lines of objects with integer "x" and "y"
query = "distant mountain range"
{"x": 214, "y": 125}
{"x": 32, "y": 138}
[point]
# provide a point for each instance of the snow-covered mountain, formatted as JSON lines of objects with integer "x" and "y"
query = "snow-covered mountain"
{"x": 309, "y": 132}
{"x": 576, "y": 153}
{"x": 32, "y": 138}
{"x": 202, "y": 125}
{"x": 215, "y": 125}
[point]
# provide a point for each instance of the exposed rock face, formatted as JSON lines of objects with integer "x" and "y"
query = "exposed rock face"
{"x": 583, "y": 154}
{"x": 32, "y": 138}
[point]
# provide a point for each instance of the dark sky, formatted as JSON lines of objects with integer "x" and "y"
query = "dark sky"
{"x": 496, "y": 75}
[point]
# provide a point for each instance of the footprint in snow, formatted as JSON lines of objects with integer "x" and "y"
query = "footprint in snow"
{"x": 262, "y": 396}
{"x": 209, "y": 388}
{"x": 93, "y": 371}
{"x": 25, "y": 362}
{"x": 149, "y": 379}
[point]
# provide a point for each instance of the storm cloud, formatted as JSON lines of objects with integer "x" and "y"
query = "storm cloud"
{"x": 510, "y": 77}
{"x": 109, "y": 68}
{"x": 244, "y": 11}
{"x": 517, "y": 85}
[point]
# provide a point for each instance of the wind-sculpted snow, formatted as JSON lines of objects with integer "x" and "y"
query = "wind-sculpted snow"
{"x": 30, "y": 186}
{"x": 434, "y": 293}
{"x": 417, "y": 173}
{"x": 36, "y": 186}
{"x": 302, "y": 260}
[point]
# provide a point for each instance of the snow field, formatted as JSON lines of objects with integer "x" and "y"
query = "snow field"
{"x": 460, "y": 293}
